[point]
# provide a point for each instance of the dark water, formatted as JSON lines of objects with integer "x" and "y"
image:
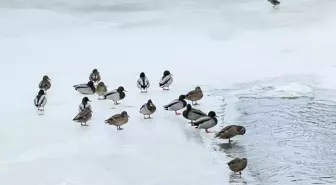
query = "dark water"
{"x": 290, "y": 138}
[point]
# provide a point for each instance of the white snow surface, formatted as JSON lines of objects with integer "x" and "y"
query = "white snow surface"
{"x": 211, "y": 44}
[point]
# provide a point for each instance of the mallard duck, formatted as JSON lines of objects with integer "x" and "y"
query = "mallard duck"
{"x": 206, "y": 122}
{"x": 274, "y": 2}
{"x": 45, "y": 83}
{"x": 195, "y": 95}
{"x": 176, "y": 105}
{"x": 101, "y": 89}
{"x": 148, "y": 109}
{"x": 237, "y": 165}
{"x": 166, "y": 81}
{"x": 118, "y": 120}
{"x": 88, "y": 88}
{"x": 40, "y": 100}
{"x": 230, "y": 131}
{"x": 84, "y": 104}
{"x": 192, "y": 114}
{"x": 83, "y": 116}
{"x": 94, "y": 76}
{"x": 115, "y": 95}
{"x": 143, "y": 82}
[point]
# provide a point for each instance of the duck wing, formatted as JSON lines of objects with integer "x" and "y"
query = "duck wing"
{"x": 165, "y": 80}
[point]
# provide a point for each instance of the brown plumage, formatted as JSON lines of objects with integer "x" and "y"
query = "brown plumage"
{"x": 101, "y": 89}
{"x": 45, "y": 83}
{"x": 94, "y": 76}
{"x": 195, "y": 95}
{"x": 83, "y": 116}
{"x": 230, "y": 131}
{"x": 237, "y": 165}
{"x": 118, "y": 120}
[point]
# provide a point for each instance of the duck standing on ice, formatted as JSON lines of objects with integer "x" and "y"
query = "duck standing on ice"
{"x": 115, "y": 95}
{"x": 83, "y": 116}
{"x": 237, "y": 165}
{"x": 192, "y": 114}
{"x": 40, "y": 100}
{"x": 118, "y": 120}
{"x": 84, "y": 104}
{"x": 230, "y": 131}
{"x": 94, "y": 76}
{"x": 166, "y": 81}
{"x": 143, "y": 82}
{"x": 176, "y": 105}
{"x": 45, "y": 83}
{"x": 195, "y": 95}
{"x": 148, "y": 109}
{"x": 206, "y": 122}
{"x": 101, "y": 89}
{"x": 88, "y": 88}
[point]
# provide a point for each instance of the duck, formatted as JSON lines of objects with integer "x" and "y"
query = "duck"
{"x": 94, "y": 76}
{"x": 83, "y": 117}
{"x": 101, "y": 89}
{"x": 45, "y": 83}
{"x": 115, "y": 95}
{"x": 274, "y": 2}
{"x": 84, "y": 104}
{"x": 176, "y": 105}
{"x": 166, "y": 80}
{"x": 192, "y": 114}
{"x": 237, "y": 164}
{"x": 195, "y": 95}
{"x": 143, "y": 82}
{"x": 230, "y": 131}
{"x": 118, "y": 120}
{"x": 148, "y": 109}
{"x": 88, "y": 88}
{"x": 206, "y": 122}
{"x": 40, "y": 100}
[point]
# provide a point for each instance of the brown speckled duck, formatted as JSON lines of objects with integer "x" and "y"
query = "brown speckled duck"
{"x": 83, "y": 116}
{"x": 118, "y": 120}
{"x": 230, "y": 131}
{"x": 94, "y": 76}
{"x": 101, "y": 89}
{"x": 237, "y": 165}
{"x": 45, "y": 83}
{"x": 195, "y": 95}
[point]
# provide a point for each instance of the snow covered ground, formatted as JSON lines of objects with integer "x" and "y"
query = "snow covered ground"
{"x": 214, "y": 44}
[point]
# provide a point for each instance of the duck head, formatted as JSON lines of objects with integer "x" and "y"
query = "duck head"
{"x": 101, "y": 84}
{"x": 212, "y": 114}
{"x": 94, "y": 71}
{"x": 150, "y": 103}
{"x": 188, "y": 107}
{"x": 46, "y": 77}
{"x": 142, "y": 75}
{"x": 90, "y": 84}
{"x": 166, "y": 73}
{"x": 124, "y": 114}
{"x": 182, "y": 97}
{"x": 41, "y": 92}
{"x": 85, "y": 100}
{"x": 242, "y": 130}
{"x": 121, "y": 89}
{"x": 198, "y": 88}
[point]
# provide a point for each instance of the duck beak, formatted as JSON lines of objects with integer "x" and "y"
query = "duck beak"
{"x": 128, "y": 116}
{"x": 125, "y": 91}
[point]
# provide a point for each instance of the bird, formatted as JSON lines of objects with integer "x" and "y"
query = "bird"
{"x": 230, "y": 131}
{"x": 45, "y": 83}
{"x": 88, "y": 88}
{"x": 192, "y": 114}
{"x": 237, "y": 165}
{"x": 166, "y": 81}
{"x": 118, "y": 120}
{"x": 148, "y": 109}
{"x": 40, "y": 100}
{"x": 83, "y": 116}
{"x": 84, "y": 104}
{"x": 195, "y": 95}
{"x": 94, "y": 76}
{"x": 274, "y": 2}
{"x": 206, "y": 122}
{"x": 143, "y": 82}
{"x": 101, "y": 89}
{"x": 176, "y": 105}
{"x": 115, "y": 95}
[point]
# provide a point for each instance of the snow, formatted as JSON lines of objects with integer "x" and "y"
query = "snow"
{"x": 200, "y": 45}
